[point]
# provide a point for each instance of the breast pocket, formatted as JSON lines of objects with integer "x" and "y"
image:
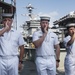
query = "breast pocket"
{"x": 14, "y": 41}
{"x": 52, "y": 40}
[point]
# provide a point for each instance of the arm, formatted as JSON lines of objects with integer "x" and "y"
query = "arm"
{"x": 4, "y": 30}
{"x": 70, "y": 42}
{"x": 21, "y": 56}
{"x": 21, "y": 52}
{"x": 38, "y": 42}
{"x": 57, "y": 47}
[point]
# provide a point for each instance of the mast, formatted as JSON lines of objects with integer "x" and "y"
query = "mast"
{"x": 13, "y": 3}
{"x": 30, "y": 10}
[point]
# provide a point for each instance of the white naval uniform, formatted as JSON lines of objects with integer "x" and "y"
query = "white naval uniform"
{"x": 9, "y": 43}
{"x": 70, "y": 57}
{"x": 45, "y": 54}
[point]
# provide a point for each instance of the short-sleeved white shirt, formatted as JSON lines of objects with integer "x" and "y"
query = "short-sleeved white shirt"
{"x": 9, "y": 43}
{"x": 70, "y": 49}
{"x": 47, "y": 47}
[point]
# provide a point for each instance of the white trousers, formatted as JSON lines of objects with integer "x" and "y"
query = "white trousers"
{"x": 69, "y": 65}
{"x": 46, "y": 65}
{"x": 9, "y": 65}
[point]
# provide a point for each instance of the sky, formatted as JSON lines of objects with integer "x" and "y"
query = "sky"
{"x": 55, "y": 9}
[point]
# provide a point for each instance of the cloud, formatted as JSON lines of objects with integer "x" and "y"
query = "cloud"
{"x": 51, "y": 14}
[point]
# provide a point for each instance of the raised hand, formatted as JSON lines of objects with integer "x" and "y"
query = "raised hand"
{"x": 46, "y": 29}
{"x": 6, "y": 27}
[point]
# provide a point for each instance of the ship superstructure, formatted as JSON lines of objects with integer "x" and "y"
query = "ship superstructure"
{"x": 62, "y": 22}
{"x": 30, "y": 25}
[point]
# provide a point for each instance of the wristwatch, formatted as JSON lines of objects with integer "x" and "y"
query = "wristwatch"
{"x": 58, "y": 60}
{"x": 20, "y": 61}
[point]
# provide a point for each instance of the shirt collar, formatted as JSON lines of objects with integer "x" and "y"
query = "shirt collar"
{"x": 12, "y": 29}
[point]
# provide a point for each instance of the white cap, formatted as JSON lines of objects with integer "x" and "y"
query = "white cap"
{"x": 45, "y": 18}
{"x": 70, "y": 24}
{"x": 7, "y": 15}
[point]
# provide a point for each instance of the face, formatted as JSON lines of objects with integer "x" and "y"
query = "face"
{"x": 44, "y": 24}
{"x": 7, "y": 21}
{"x": 71, "y": 30}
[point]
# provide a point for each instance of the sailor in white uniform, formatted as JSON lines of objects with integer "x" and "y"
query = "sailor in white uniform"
{"x": 10, "y": 41}
{"x": 46, "y": 42}
{"x": 69, "y": 42}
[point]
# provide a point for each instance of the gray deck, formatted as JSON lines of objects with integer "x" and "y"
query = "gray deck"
{"x": 29, "y": 65}
{"x": 29, "y": 68}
